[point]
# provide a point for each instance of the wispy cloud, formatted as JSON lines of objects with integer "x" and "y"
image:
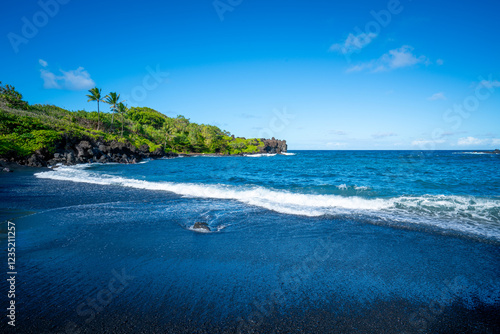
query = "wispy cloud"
{"x": 338, "y": 132}
{"x": 440, "y": 62}
{"x": 402, "y": 57}
{"x": 422, "y": 142}
{"x": 245, "y": 115}
{"x": 78, "y": 79}
{"x": 468, "y": 141}
{"x": 353, "y": 43}
{"x": 219, "y": 125}
{"x": 450, "y": 133}
{"x": 359, "y": 68}
{"x": 335, "y": 144}
{"x": 437, "y": 96}
{"x": 49, "y": 80}
{"x": 383, "y": 135}
{"x": 394, "y": 59}
{"x": 490, "y": 83}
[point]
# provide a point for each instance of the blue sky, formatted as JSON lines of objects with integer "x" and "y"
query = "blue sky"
{"x": 321, "y": 74}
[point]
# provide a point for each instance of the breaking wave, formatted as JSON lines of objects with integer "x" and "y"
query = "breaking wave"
{"x": 462, "y": 213}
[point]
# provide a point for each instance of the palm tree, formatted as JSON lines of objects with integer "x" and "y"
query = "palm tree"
{"x": 169, "y": 133}
{"x": 122, "y": 109}
{"x": 95, "y": 95}
{"x": 112, "y": 100}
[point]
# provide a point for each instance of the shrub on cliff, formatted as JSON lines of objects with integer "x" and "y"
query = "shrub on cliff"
{"x": 12, "y": 98}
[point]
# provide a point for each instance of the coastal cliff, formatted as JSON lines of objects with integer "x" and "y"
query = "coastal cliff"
{"x": 72, "y": 150}
{"x": 273, "y": 146}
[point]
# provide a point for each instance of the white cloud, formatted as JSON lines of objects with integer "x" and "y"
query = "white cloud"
{"x": 353, "y": 43}
{"x": 495, "y": 141}
{"x": 397, "y": 58}
{"x": 49, "y": 80}
{"x": 490, "y": 83}
{"x": 335, "y": 144}
{"x": 78, "y": 79}
{"x": 439, "y": 62}
{"x": 43, "y": 62}
{"x": 359, "y": 68}
{"x": 468, "y": 141}
{"x": 437, "y": 96}
{"x": 384, "y": 135}
{"x": 402, "y": 57}
{"x": 422, "y": 142}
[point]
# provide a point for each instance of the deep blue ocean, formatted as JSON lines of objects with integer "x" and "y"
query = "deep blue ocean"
{"x": 347, "y": 241}
{"x": 454, "y": 191}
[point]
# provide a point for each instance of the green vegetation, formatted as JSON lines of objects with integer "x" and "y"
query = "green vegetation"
{"x": 95, "y": 95}
{"x": 26, "y": 128}
{"x": 112, "y": 100}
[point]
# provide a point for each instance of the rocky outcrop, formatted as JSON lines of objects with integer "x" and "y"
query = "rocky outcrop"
{"x": 71, "y": 151}
{"x": 96, "y": 151}
{"x": 36, "y": 160}
{"x": 497, "y": 151}
{"x": 201, "y": 226}
{"x": 273, "y": 146}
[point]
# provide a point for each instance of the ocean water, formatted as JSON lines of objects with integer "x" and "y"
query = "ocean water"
{"x": 454, "y": 191}
{"x": 311, "y": 241}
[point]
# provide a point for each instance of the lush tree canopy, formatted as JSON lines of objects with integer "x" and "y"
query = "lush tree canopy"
{"x": 25, "y": 128}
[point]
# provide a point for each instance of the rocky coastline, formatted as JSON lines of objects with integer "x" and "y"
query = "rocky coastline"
{"x": 497, "y": 151}
{"x": 72, "y": 151}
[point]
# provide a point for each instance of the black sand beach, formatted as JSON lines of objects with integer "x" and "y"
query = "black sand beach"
{"x": 73, "y": 239}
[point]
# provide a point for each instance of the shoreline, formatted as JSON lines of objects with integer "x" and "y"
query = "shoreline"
{"x": 11, "y": 166}
{"x": 73, "y": 151}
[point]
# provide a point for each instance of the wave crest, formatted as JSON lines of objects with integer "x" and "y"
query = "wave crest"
{"x": 468, "y": 214}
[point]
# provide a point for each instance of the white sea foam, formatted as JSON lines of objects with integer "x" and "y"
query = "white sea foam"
{"x": 285, "y": 153}
{"x": 467, "y": 214}
{"x": 492, "y": 154}
{"x": 259, "y": 155}
{"x": 281, "y": 201}
{"x": 202, "y": 230}
{"x": 199, "y": 230}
